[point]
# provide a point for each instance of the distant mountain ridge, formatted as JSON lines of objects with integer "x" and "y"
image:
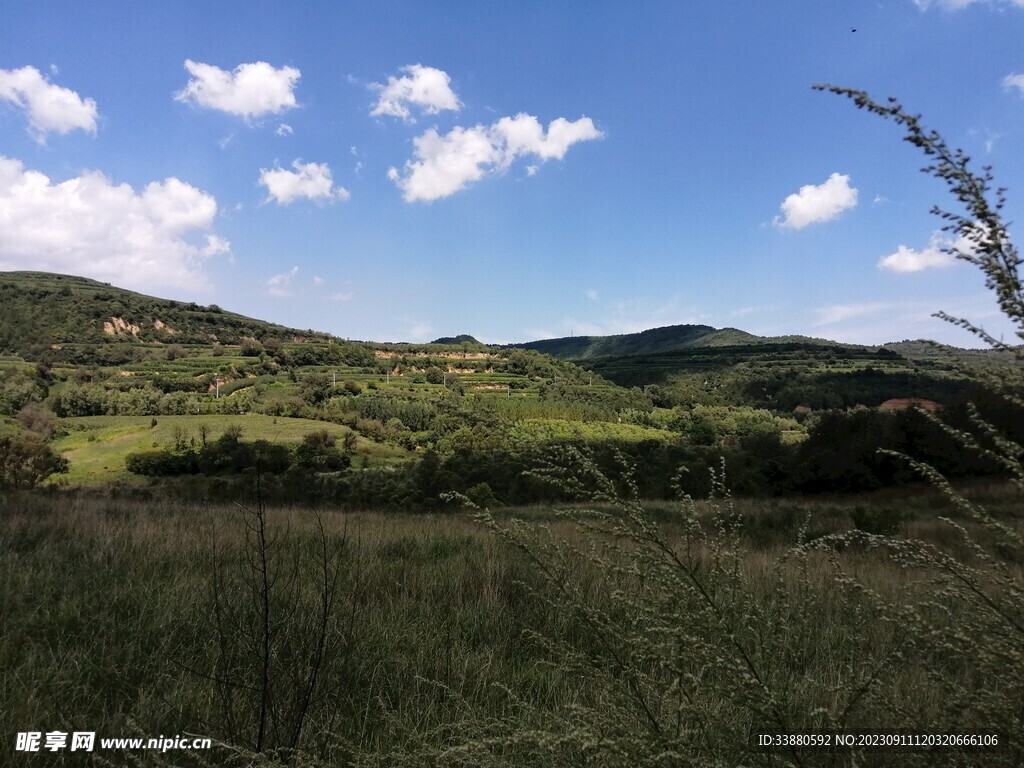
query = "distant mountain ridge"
{"x": 46, "y": 309}
{"x": 669, "y": 338}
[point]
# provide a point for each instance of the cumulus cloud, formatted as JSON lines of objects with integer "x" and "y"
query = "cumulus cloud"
{"x": 813, "y": 204}
{"x": 280, "y": 285}
{"x": 90, "y": 226}
{"x": 1014, "y": 81}
{"x": 591, "y": 294}
{"x": 426, "y": 87}
{"x": 49, "y": 108}
{"x": 341, "y": 296}
{"x": 284, "y": 130}
{"x": 941, "y": 252}
{"x": 250, "y": 91}
{"x": 312, "y": 181}
{"x": 446, "y": 164}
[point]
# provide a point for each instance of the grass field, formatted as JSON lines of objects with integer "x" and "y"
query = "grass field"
{"x": 97, "y": 446}
{"x": 447, "y": 645}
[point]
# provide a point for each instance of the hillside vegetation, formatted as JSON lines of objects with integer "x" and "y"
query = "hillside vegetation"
{"x": 43, "y": 309}
{"x": 127, "y": 388}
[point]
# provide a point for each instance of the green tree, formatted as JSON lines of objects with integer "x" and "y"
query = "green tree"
{"x": 250, "y": 347}
{"x": 318, "y": 452}
{"x": 25, "y": 461}
{"x": 315, "y": 388}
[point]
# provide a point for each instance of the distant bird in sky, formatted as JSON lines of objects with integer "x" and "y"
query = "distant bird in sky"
{"x": 853, "y": 29}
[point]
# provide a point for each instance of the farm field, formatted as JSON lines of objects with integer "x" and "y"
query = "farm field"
{"x": 96, "y": 446}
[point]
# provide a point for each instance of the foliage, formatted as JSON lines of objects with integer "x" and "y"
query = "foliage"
{"x": 25, "y": 461}
{"x": 318, "y": 452}
{"x": 652, "y": 341}
{"x": 174, "y": 352}
{"x": 38, "y": 420}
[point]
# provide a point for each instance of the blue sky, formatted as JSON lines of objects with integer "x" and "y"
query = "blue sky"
{"x": 398, "y": 171}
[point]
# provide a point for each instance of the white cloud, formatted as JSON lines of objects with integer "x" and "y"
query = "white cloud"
{"x": 309, "y": 180}
{"x": 938, "y": 254}
{"x": 251, "y": 90}
{"x": 50, "y": 108}
{"x": 344, "y": 296}
{"x": 524, "y": 135}
{"x": 813, "y": 204}
{"x": 215, "y": 245}
{"x": 956, "y": 5}
{"x": 90, "y": 226}
{"x": 317, "y": 280}
{"x": 280, "y": 285}
{"x": 591, "y": 294}
{"x": 426, "y": 87}
{"x": 283, "y": 129}
{"x": 1014, "y": 81}
{"x": 446, "y": 164}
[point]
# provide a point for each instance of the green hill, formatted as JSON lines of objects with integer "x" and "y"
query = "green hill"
{"x": 462, "y": 338}
{"x": 43, "y": 310}
{"x": 670, "y": 338}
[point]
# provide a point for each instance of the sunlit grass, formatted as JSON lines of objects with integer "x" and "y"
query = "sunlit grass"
{"x": 97, "y": 446}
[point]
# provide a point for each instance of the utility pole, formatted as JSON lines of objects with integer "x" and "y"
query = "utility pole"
{"x": 217, "y": 380}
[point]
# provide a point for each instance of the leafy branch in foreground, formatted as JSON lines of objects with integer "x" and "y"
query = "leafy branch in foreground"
{"x": 982, "y": 238}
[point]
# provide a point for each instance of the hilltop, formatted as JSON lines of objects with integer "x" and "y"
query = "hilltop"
{"x": 43, "y": 310}
{"x": 462, "y": 338}
{"x": 669, "y": 338}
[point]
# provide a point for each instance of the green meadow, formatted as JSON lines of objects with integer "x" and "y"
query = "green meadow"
{"x": 97, "y": 446}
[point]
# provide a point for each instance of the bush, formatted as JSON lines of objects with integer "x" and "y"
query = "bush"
{"x": 25, "y": 461}
{"x": 175, "y": 351}
{"x": 318, "y": 452}
{"x": 878, "y": 520}
{"x": 38, "y": 420}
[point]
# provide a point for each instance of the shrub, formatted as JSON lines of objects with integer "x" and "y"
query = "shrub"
{"x": 318, "y": 452}
{"x": 250, "y": 347}
{"x": 38, "y": 420}
{"x": 175, "y": 351}
{"x": 25, "y": 461}
{"x": 875, "y": 519}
